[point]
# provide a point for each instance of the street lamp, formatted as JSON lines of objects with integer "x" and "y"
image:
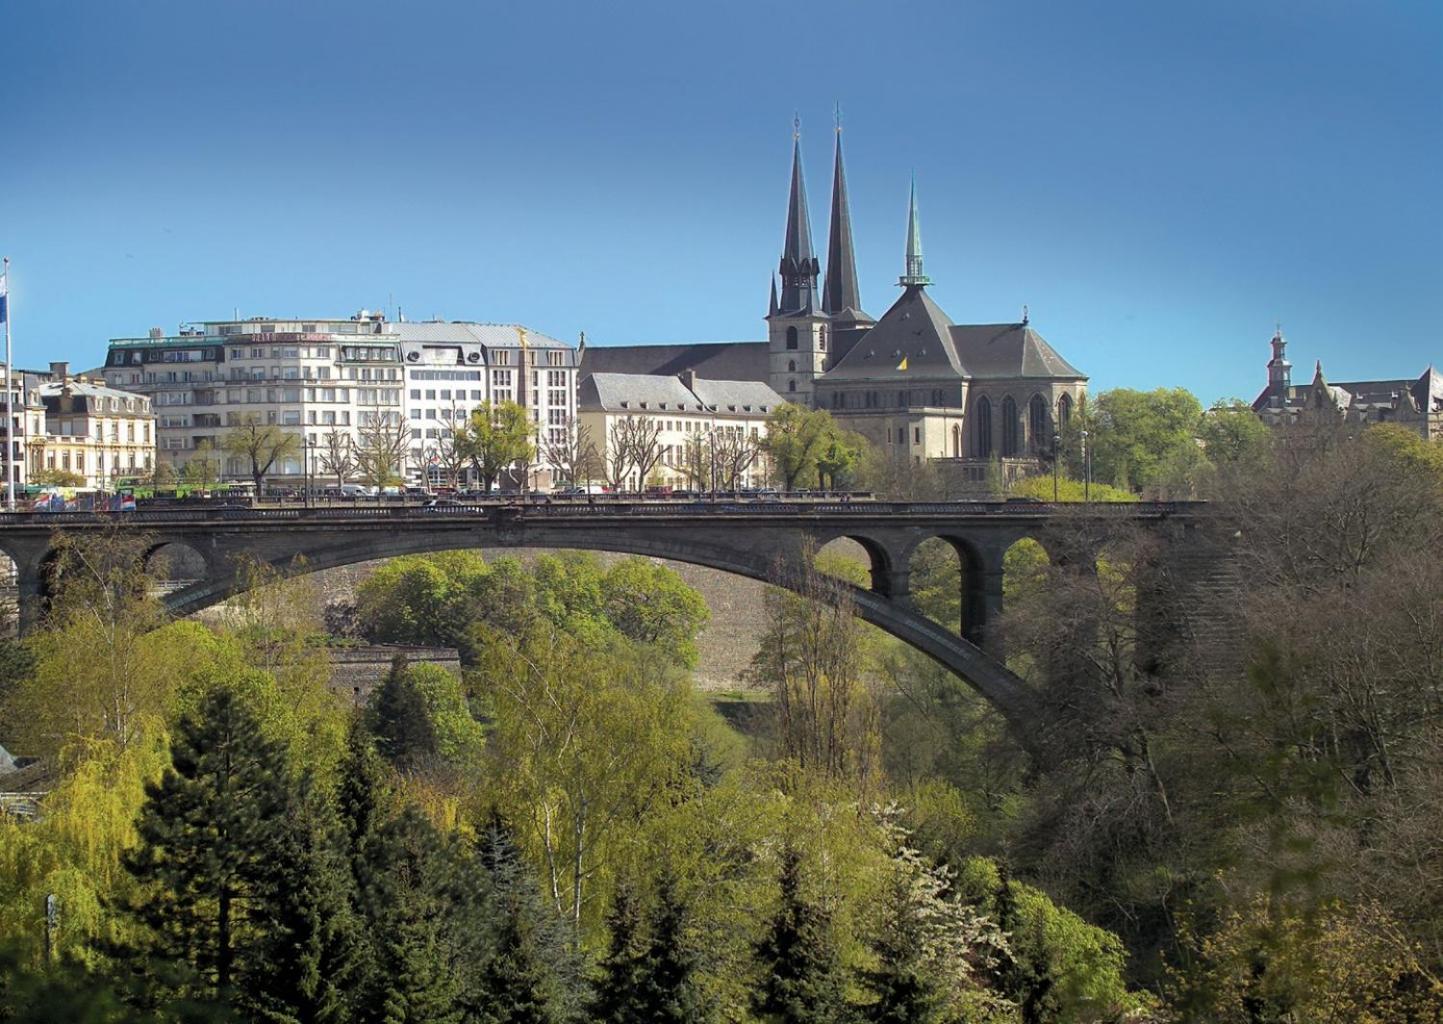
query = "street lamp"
{"x": 1056, "y": 460}
{"x": 1086, "y": 467}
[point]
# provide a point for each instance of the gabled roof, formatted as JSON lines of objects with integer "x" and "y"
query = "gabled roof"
{"x": 1009, "y": 350}
{"x": 721, "y": 360}
{"x": 914, "y": 329}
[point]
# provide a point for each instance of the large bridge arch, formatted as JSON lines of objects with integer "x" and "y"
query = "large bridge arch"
{"x": 881, "y": 607}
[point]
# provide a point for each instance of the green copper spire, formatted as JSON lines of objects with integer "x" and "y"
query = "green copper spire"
{"x": 914, "y": 275}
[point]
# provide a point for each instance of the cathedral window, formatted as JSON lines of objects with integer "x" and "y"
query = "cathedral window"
{"x": 1010, "y": 439}
{"x": 1037, "y": 424}
{"x": 791, "y": 385}
{"x": 982, "y": 432}
{"x": 1064, "y": 412}
{"x": 791, "y": 366}
{"x": 791, "y": 337}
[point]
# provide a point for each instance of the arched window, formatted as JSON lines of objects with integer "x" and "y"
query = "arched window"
{"x": 1064, "y": 412}
{"x": 791, "y": 385}
{"x": 956, "y": 441}
{"x": 1009, "y": 427}
{"x": 1038, "y": 438}
{"x": 791, "y": 337}
{"x": 982, "y": 432}
{"x": 791, "y": 366}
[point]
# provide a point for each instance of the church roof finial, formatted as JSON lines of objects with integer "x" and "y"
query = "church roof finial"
{"x": 840, "y": 291}
{"x": 914, "y": 276}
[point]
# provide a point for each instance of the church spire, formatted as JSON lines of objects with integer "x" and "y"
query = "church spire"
{"x": 914, "y": 275}
{"x": 799, "y": 266}
{"x": 840, "y": 291}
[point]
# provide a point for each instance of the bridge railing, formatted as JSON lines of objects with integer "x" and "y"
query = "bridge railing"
{"x": 510, "y": 511}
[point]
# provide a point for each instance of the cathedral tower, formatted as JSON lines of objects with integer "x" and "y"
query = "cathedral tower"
{"x": 797, "y": 326}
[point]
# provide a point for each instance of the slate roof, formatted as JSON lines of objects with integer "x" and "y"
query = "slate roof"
{"x": 613, "y": 392}
{"x": 721, "y": 360}
{"x": 75, "y": 386}
{"x": 915, "y": 328}
{"x": 735, "y": 395}
{"x": 637, "y": 392}
{"x": 1426, "y": 391}
{"x": 1009, "y": 350}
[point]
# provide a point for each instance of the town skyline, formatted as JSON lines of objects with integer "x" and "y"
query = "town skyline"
{"x": 1160, "y": 192}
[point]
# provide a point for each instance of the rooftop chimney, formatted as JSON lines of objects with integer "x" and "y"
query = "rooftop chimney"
{"x": 60, "y": 371}
{"x": 156, "y": 333}
{"x": 688, "y": 379}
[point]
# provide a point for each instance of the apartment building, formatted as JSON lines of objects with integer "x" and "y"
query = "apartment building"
{"x": 80, "y": 426}
{"x": 327, "y": 378}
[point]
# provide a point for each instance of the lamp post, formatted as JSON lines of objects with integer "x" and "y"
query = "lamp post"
{"x": 1086, "y": 468}
{"x": 1056, "y": 461}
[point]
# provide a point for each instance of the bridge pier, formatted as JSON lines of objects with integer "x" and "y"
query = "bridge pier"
{"x": 29, "y": 604}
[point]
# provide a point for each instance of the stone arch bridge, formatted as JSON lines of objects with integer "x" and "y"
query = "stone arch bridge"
{"x": 763, "y": 540}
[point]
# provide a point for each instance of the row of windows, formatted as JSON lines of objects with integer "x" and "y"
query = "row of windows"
{"x": 1039, "y": 426}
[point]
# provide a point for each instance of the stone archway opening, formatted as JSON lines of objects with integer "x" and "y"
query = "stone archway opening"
{"x": 938, "y": 574}
{"x": 855, "y": 560}
{"x": 173, "y": 566}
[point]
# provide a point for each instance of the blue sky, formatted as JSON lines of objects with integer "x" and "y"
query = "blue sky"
{"x": 1159, "y": 182}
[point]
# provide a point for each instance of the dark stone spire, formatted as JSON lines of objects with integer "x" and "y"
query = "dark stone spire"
{"x": 840, "y": 292}
{"x": 799, "y": 267}
{"x": 772, "y": 305}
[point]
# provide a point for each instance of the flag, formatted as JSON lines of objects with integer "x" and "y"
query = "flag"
{"x": 903, "y": 364}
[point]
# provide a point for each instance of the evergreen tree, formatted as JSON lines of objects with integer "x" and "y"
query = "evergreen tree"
{"x": 405, "y": 734}
{"x": 420, "y": 910}
{"x": 619, "y": 990}
{"x": 669, "y": 990}
{"x": 529, "y": 976}
{"x": 208, "y": 833}
{"x": 310, "y": 956}
{"x": 803, "y": 981}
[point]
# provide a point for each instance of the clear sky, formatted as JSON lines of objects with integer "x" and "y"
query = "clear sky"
{"x": 1159, "y": 182}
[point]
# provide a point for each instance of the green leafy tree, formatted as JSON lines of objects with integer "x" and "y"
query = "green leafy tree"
{"x": 796, "y": 438}
{"x": 838, "y": 456}
{"x": 260, "y": 446}
{"x": 1232, "y": 434}
{"x": 651, "y": 604}
{"x": 1136, "y": 433}
{"x": 57, "y": 478}
{"x": 803, "y": 981}
{"x": 501, "y": 435}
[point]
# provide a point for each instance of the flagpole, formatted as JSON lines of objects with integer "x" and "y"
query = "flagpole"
{"x": 9, "y": 402}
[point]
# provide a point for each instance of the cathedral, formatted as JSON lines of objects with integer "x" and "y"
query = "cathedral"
{"x": 912, "y": 381}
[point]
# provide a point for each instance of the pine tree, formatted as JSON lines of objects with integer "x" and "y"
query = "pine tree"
{"x": 803, "y": 981}
{"x": 208, "y": 832}
{"x": 619, "y": 990}
{"x": 669, "y": 991}
{"x": 528, "y": 977}
{"x": 405, "y": 734}
{"x": 418, "y": 909}
{"x": 310, "y": 956}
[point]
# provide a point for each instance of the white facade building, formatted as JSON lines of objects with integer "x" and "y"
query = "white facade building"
{"x": 320, "y": 377}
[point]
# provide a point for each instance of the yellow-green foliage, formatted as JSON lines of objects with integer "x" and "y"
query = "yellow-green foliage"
{"x": 74, "y": 849}
{"x": 459, "y": 736}
{"x": 1084, "y": 963}
{"x": 1040, "y": 487}
{"x": 1343, "y": 965}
